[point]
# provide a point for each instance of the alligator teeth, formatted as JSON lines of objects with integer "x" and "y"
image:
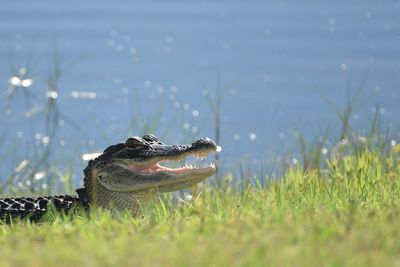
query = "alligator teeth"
{"x": 187, "y": 166}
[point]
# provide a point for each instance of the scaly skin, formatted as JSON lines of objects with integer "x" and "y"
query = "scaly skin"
{"x": 122, "y": 178}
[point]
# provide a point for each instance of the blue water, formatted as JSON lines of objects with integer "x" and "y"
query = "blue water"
{"x": 280, "y": 57}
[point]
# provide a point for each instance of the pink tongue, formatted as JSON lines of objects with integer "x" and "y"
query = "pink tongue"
{"x": 151, "y": 168}
{"x": 156, "y": 168}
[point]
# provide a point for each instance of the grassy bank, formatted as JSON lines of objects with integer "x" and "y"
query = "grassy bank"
{"x": 347, "y": 215}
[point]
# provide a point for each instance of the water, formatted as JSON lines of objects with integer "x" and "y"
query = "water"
{"x": 282, "y": 54}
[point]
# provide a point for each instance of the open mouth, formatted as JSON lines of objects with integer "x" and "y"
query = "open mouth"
{"x": 156, "y": 167}
{"x": 139, "y": 165}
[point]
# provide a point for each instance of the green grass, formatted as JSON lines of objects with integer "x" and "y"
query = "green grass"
{"x": 348, "y": 216}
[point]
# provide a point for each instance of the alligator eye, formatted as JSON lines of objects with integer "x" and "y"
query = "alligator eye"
{"x": 133, "y": 142}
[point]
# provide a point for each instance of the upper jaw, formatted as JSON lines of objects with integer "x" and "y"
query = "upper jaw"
{"x": 155, "y": 153}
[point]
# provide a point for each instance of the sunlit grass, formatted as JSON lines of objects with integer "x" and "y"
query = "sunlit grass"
{"x": 346, "y": 217}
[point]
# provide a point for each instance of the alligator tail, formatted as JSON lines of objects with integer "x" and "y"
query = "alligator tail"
{"x": 34, "y": 208}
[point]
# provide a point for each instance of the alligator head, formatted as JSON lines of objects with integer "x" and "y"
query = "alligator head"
{"x": 129, "y": 173}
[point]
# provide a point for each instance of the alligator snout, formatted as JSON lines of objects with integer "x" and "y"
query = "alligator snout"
{"x": 204, "y": 143}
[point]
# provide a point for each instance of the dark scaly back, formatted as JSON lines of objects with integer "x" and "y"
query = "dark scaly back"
{"x": 33, "y": 208}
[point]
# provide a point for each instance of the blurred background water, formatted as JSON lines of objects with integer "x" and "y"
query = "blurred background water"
{"x": 273, "y": 59}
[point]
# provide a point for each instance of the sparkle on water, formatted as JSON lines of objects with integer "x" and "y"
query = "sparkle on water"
{"x": 26, "y": 82}
{"x": 39, "y": 175}
{"x": 51, "y": 94}
{"x": 252, "y": 136}
{"x": 195, "y": 113}
{"x": 147, "y": 83}
{"x": 46, "y": 140}
{"x": 16, "y": 81}
{"x": 83, "y": 94}
{"x": 174, "y": 89}
{"x": 90, "y": 156}
{"x": 160, "y": 89}
{"x": 133, "y": 51}
{"x": 22, "y": 71}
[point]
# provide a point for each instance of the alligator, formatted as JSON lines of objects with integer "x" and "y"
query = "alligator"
{"x": 124, "y": 177}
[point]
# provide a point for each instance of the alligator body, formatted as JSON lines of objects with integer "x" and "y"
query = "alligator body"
{"x": 122, "y": 178}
